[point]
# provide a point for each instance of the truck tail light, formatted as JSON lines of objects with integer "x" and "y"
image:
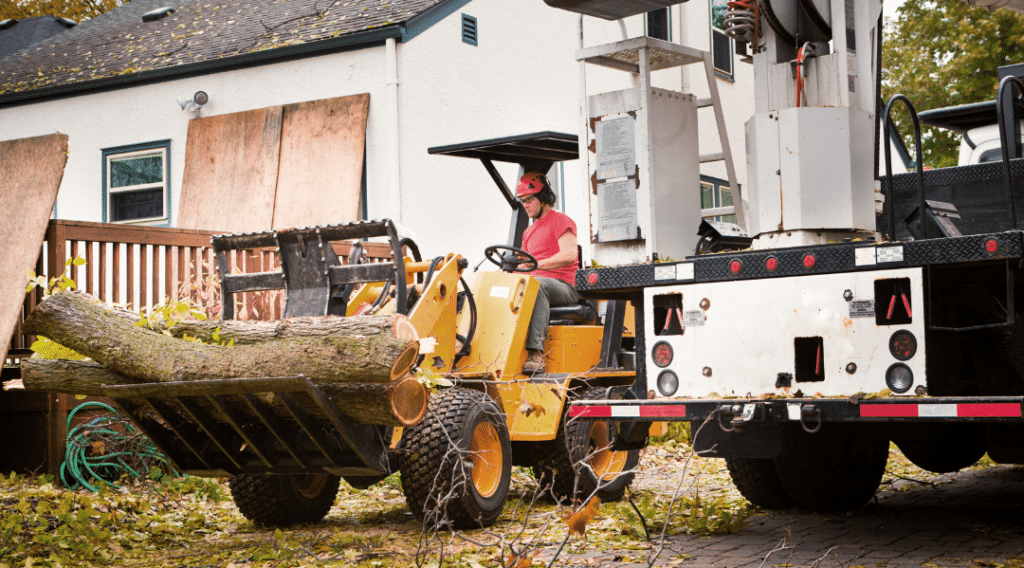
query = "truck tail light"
{"x": 662, "y": 354}
{"x": 668, "y": 383}
{"x": 903, "y": 345}
{"x": 899, "y": 378}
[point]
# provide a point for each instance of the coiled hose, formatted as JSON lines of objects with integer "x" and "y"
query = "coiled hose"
{"x": 108, "y": 448}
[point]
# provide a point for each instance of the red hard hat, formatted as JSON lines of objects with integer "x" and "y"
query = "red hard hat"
{"x": 530, "y": 183}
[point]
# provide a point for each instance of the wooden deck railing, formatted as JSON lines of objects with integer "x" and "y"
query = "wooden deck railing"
{"x": 139, "y": 267}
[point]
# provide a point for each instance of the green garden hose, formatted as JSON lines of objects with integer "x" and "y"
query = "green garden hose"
{"x": 108, "y": 448}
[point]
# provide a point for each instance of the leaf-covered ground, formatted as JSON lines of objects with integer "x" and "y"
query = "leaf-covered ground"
{"x": 191, "y": 522}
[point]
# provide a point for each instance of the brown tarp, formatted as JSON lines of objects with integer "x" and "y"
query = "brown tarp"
{"x": 278, "y": 167}
{"x": 31, "y": 170}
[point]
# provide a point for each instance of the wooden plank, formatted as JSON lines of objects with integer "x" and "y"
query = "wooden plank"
{"x": 320, "y": 172}
{"x": 230, "y": 173}
{"x": 31, "y": 170}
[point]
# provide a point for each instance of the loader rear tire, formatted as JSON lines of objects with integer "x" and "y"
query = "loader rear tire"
{"x": 836, "y": 469}
{"x": 279, "y": 500}
{"x": 758, "y": 481}
{"x": 456, "y": 464}
{"x": 580, "y": 463}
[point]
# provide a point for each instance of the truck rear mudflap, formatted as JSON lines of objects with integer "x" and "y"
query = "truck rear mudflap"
{"x": 228, "y": 427}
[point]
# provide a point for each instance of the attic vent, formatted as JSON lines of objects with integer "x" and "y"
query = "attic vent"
{"x": 66, "y": 22}
{"x": 158, "y": 14}
{"x": 469, "y": 30}
{"x": 4, "y": 24}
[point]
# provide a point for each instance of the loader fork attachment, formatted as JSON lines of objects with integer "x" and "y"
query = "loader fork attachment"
{"x": 312, "y": 276}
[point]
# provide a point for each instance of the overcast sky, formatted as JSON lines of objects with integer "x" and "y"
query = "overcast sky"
{"x": 889, "y": 7}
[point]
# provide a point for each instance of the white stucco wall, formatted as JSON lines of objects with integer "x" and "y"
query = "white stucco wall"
{"x": 521, "y": 78}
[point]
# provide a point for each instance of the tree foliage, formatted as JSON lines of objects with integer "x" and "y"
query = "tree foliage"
{"x": 943, "y": 53}
{"x": 77, "y": 10}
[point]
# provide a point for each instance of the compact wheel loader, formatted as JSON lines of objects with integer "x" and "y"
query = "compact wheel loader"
{"x": 455, "y": 463}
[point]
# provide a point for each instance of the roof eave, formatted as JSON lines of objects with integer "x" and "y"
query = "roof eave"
{"x": 348, "y": 42}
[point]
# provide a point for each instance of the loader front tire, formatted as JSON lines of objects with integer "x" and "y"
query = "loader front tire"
{"x": 579, "y": 462}
{"x": 758, "y": 481}
{"x": 279, "y": 500}
{"x": 836, "y": 469}
{"x": 456, "y": 464}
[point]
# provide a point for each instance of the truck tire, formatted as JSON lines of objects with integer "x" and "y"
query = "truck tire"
{"x": 278, "y": 500}
{"x": 758, "y": 481}
{"x": 836, "y": 469}
{"x": 579, "y": 461}
{"x": 941, "y": 447}
{"x": 443, "y": 488}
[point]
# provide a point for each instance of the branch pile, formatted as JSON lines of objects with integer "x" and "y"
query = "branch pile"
{"x": 362, "y": 363}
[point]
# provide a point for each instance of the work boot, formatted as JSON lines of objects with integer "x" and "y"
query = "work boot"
{"x": 534, "y": 361}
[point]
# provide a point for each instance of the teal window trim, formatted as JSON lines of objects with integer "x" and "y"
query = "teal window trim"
{"x": 714, "y": 197}
{"x": 718, "y": 7}
{"x": 107, "y": 153}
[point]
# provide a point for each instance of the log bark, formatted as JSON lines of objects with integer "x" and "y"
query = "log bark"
{"x": 81, "y": 323}
{"x": 69, "y": 377}
{"x": 400, "y": 403}
{"x": 252, "y": 332}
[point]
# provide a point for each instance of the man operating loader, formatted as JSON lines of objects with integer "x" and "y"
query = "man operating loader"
{"x": 551, "y": 239}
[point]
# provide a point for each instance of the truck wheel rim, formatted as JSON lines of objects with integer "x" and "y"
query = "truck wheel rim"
{"x": 485, "y": 454}
{"x": 607, "y": 464}
{"x": 310, "y": 486}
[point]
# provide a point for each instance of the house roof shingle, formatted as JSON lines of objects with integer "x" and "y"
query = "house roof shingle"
{"x": 118, "y": 48}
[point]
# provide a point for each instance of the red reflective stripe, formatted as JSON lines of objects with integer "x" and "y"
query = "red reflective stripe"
{"x": 663, "y": 410}
{"x": 596, "y": 411}
{"x": 873, "y": 410}
{"x": 995, "y": 409}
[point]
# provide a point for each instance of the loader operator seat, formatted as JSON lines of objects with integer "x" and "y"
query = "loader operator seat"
{"x": 512, "y": 259}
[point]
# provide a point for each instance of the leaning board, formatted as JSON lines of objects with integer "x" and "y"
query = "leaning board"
{"x": 31, "y": 170}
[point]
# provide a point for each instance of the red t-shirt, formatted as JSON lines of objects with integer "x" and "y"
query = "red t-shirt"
{"x": 541, "y": 240}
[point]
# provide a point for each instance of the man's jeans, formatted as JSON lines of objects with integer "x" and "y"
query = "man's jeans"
{"x": 553, "y": 292}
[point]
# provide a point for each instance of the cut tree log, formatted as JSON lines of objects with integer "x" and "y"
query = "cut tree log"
{"x": 400, "y": 403}
{"x": 252, "y": 332}
{"x": 368, "y": 353}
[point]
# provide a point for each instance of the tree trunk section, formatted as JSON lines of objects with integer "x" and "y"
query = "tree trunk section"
{"x": 251, "y": 332}
{"x": 401, "y": 403}
{"x": 70, "y": 377}
{"x": 79, "y": 322}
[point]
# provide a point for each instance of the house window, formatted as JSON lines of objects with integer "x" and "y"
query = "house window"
{"x": 716, "y": 200}
{"x": 469, "y": 32}
{"x": 658, "y": 24}
{"x": 721, "y": 44}
{"x": 135, "y": 181}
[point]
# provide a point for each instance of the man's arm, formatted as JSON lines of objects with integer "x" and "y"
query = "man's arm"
{"x": 567, "y": 254}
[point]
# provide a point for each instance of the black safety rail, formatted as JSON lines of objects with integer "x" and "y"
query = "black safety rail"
{"x": 228, "y": 427}
{"x": 801, "y": 261}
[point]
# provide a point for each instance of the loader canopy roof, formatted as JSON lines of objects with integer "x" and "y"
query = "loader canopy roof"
{"x": 533, "y": 152}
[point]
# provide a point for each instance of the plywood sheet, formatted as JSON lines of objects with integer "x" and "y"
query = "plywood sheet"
{"x": 31, "y": 170}
{"x": 230, "y": 174}
{"x": 320, "y": 173}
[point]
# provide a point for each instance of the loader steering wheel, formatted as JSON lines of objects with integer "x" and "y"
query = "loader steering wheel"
{"x": 510, "y": 259}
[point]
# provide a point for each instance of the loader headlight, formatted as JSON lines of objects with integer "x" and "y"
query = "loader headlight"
{"x": 668, "y": 383}
{"x": 899, "y": 378}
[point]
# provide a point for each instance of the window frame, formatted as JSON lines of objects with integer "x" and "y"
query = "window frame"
{"x": 718, "y": 211}
{"x": 134, "y": 150}
{"x": 728, "y": 74}
{"x": 668, "y": 23}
